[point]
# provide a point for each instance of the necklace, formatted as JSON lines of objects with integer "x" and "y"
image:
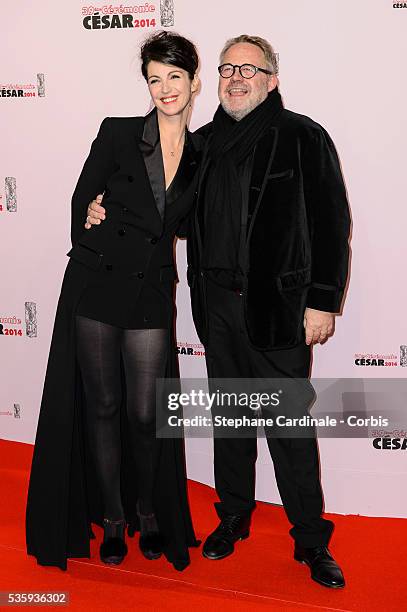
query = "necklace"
{"x": 172, "y": 152}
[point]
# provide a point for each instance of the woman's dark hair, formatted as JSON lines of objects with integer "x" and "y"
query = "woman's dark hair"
{"x": 169, "y": 48}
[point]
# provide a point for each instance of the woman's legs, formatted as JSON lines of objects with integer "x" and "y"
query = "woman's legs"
{"x": 98, "y": 352}
{"x": 144, "y": 353}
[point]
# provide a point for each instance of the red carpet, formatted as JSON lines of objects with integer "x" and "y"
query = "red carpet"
{"x": 260, "y": 575}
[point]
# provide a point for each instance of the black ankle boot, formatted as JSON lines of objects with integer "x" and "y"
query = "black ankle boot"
{"x": 113, "y": 548}
{"x": 151, "y": 542}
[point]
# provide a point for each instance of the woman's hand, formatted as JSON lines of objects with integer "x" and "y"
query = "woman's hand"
{"x": 96, "y": 212}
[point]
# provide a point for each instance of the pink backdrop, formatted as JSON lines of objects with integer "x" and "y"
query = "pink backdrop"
{"x": 341, "y": 62}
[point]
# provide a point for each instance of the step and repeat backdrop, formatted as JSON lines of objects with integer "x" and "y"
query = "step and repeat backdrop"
{"x": 66, "y": 65}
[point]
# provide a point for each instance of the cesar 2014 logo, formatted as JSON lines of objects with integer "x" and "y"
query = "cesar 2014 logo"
{"x": 124, "y": 17}
{"x": 16, "y": 412}
{"x": 390, "y": 359}
{"x": 27, "y": 90}
{"x": 31, "y": 326}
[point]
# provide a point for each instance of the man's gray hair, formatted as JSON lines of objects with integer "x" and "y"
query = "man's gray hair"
{"x": 270, "y": 57}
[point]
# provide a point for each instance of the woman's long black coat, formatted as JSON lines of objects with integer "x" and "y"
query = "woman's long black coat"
{"x": 63, "y": 496}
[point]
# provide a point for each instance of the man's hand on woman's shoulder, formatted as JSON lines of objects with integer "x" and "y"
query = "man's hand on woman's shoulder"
{"x": 96, "y": 212}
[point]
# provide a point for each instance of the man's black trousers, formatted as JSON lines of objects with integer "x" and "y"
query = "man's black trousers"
{"x": 296, "y": 460}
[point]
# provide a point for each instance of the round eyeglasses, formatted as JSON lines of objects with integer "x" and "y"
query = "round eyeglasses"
{"x": 247, "y": 71}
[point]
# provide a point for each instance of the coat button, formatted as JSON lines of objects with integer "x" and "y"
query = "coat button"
{"x": 124, "y": 209}
{"x": 109, "y": 267}
{"x": 130, "y": 178}
{"x": 121, "y": 232}
{"x": 154, "y": 240}
{"x": 140, "y": 275}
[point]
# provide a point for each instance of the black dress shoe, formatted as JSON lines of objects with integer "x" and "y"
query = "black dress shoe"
{"x": 220, "y": 543}
{"x": 324, "y": 568}
{"x": 113, "y": 548}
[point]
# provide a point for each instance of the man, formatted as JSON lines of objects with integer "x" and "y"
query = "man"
{"x": 268, "y": 257}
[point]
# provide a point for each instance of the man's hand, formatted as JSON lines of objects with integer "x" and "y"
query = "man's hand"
{"x": 318, "y": 325}
{"x": 96, "y": 212}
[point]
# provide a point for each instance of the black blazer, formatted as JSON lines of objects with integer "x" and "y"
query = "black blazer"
{"x": 296, "y": 250}
{"x": 125, "y": 163}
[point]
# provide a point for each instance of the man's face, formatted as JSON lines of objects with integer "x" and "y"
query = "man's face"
{"x": 239, "y": 96}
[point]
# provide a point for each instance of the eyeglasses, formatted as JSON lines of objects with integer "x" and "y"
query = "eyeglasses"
{"x": 247, "y": 71}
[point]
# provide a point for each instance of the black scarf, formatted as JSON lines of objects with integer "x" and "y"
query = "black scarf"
{"x": 232, "y": 142}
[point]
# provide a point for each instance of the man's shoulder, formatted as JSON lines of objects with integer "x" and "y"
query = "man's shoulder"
{"x": 302, "y": 124}
{"x": 205, "y": 130}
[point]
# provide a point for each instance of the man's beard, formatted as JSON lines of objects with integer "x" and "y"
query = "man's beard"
{"x": 238, "y": 114}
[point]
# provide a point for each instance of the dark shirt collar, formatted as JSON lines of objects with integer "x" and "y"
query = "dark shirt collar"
{"x": 151, "y": 132}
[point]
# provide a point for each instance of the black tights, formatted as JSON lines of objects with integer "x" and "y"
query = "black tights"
{"x": 144, "y": 353}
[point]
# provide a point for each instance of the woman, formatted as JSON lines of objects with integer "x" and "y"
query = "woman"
{"x": 96, "y": 456}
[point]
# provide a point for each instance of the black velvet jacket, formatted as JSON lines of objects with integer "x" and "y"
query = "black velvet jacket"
{"x": 296, "y": 250}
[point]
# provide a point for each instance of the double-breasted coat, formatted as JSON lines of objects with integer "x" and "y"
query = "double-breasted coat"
{"x": 136, "y": 239}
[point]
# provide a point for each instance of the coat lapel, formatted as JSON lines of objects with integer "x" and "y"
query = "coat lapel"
{"x": 186, "y": 172}
{"x": 150, "y": 148}
{"x": 199, "y": 212}
{"x": 194, "y": 146}
{"x": 263, "y": 158}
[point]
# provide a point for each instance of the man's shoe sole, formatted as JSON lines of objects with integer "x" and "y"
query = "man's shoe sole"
{"x": 325, "y": 584}
{"x": 219, "y": 557}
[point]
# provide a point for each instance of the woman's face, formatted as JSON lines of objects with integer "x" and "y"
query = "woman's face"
{"x": 170, "y": 87}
